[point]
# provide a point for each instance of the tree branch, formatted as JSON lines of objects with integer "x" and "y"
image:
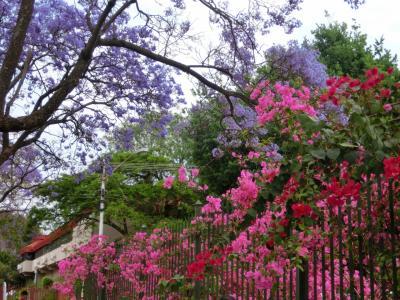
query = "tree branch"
{"x": 21, "y": 81}
{"x": 39, "y": 118}
{"x": 118, "y": 13}
{"x": 173, "y": 63}
{"x": 14, "y": 50}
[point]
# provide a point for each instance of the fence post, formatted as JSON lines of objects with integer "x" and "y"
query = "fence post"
{"x": 302, "y": 281}
{"x": 102, "y": 293}
{"x": 197, "y": 249}
{"x": 393, "y": 233}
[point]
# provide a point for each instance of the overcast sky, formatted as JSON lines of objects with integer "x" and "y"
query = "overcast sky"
{"x": 375, "y": 17}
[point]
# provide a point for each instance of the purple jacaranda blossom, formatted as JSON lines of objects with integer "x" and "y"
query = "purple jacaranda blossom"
{"x": 217, "y": 153}
{"x": 297, "y": 61}
{"x": 329, "y": 112}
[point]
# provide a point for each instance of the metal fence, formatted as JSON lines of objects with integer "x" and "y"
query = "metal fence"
{"x": 33, "y": 293}
{"x": 357, "y": 258}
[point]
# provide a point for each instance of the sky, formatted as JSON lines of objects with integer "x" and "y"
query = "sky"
{"x": 375, "y": 17}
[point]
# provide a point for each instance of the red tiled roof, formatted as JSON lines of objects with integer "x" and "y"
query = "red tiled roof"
{"x": 38, "y": 237}
{"x": 39, "y": 242}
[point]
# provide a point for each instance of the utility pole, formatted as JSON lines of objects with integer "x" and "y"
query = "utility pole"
{"x": 101, "y": 291}
{"x": 102, "y": 199}
{"x": 4, "y": 290}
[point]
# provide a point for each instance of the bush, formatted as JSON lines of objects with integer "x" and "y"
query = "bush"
{"x": 47, "y": 282}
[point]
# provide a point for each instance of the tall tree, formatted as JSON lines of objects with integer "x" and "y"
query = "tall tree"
{"x": 345, "y": 50}
{"x": 135, "y": 196}
{"x": 72, "y": 68}
{"x": 15, "y": 231}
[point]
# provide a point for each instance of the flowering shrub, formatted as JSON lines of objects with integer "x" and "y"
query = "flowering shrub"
{"x": 281, "y": 208}
{"x": 143, "y": 256}
{"x": 355, "y": 129}
{"x": 96, "y": 257}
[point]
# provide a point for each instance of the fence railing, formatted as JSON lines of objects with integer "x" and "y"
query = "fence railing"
{"x": 357, "y": 257}
{"x": 33, "y": 293}
{"x": 361, "y": 256}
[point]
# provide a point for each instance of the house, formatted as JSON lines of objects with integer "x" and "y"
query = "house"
{"x": 40, "y": 257}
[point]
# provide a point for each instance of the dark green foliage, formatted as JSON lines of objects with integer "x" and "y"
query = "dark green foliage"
{"x": 15, "y": 231}
{"x": 345, "y": 51}
{"x": 200, "y": 136}
{"x": 8, "y": 267}
{"x": 47, "y": 282}
{"x": 134, "y": 195}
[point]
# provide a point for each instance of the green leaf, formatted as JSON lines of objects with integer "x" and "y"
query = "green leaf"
{"x": 357, "y": 119}
{"x": 328, "y": 132}
{"x": 252, "y": 212}
{"x": 307, "y": 122}
{"x": 351, "y": 156}
{"x": 178, "y": 277}
{"x": 371, "y": 131}
{"x": 356, "y": 108}
{"x": 348, "y": 145}
{"x": 375, "y": 107}
{"x": 379, "y": 155}
{"x": 163, "y": 283}
{"x": 295, "y": 167}
{"x": 307, "y": 158}
{"x": 318, "y": 153}
{"x": 333, "y": 153}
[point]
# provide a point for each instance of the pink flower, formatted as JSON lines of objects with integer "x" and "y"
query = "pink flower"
{"x": 387, "y": 107}
{"x": 192, "y": 184}
{"x": 182, "y": 174}
{"x": 246, "y": 193}
{"x": 94, "y": 257}
{"x": 392, "y": 167}
{"x": 303, "y": 251}
{"x": 253, "y": 154}
{"x": 195, "y": 172}
{"x": 203, "y": 188}
{"x": 255, "y": 93}
{"x": 385, "y": 93}
{"x": 241, "y": 244}
{"x": 168, "y": 182}
{"x": 213, "y": 205}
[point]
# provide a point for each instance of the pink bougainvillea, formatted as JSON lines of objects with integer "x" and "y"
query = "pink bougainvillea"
{"x": 168, "y": 182}
{"x": 182, "y": 177}
{"x": 213, "y": 205}
{"x": 143, "y": 256}
{"x": 95, "y": 257}
{"x": 281, "y": 101}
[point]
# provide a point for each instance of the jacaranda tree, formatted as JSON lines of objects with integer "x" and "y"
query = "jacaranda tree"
{"x": 68, "y": 69}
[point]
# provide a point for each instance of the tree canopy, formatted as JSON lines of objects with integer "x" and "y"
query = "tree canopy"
{"x": 70, "y": 70}
{"x": 134, "y": 195}
{"x": 345, "y": 50}
{"x": 15, "y": 231}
